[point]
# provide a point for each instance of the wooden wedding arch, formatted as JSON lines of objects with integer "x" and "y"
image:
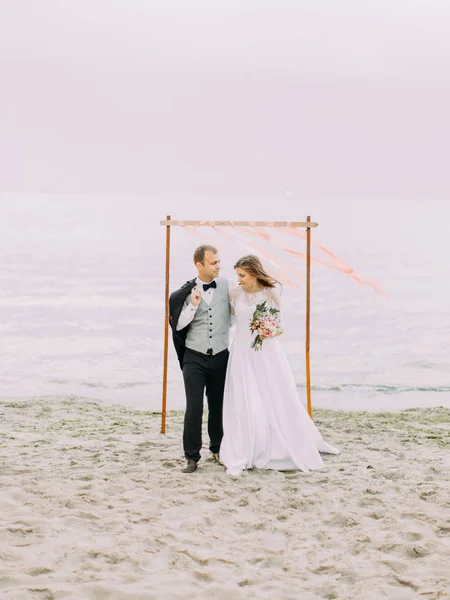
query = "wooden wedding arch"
{"x": 308, "y": 224}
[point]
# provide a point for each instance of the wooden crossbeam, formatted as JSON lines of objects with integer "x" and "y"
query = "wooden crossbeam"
{"x": 304, "y": 224}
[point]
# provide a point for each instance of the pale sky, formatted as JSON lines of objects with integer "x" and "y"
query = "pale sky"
{"x": 317, "y": 98}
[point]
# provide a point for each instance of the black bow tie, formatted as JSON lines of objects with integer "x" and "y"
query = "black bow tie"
{"x": 206, "y": 286}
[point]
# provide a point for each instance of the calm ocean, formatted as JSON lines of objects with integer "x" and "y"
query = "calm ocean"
{"x": 82, "y": 299}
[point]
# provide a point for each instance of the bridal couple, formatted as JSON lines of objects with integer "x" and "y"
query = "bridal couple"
{"x": 256, "y": 418}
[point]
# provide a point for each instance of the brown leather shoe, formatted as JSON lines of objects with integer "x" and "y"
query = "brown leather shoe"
{"x": 190, "y": 467}
{"x": 216, "y": 457}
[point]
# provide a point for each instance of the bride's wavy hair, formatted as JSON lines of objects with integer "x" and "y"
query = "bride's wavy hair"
{"x": 254, "y": 267}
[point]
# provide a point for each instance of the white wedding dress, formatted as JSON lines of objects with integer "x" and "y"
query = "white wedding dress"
{"x": 264, "y": 421}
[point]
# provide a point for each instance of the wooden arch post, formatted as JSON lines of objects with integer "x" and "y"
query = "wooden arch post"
{"x": 168, "y": 223}
{"x": 308, "y": 316}
{"x": 166, "y": 329}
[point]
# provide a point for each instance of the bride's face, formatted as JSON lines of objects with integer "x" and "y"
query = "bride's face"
{"x": 247, "y": 282}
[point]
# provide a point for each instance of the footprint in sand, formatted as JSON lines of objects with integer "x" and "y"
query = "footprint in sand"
{"x": 21, "y": 530}
{"x": 369, "y": 501}
{"x": 443, "y": 531}
{"x": 341, "y": 520}
{"x": 418, "y": 550}
{"x": 428, "y": 495}
{"x": 411, "y": 536}
{"x": 36, "y": 571}
{"x": 42, "y": 593}
{"x": 377, "y": 515}
{"x": 360, "y": 545}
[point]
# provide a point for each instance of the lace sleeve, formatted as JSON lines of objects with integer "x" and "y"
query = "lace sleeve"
{"x": 273, "y": 296}
{"x": 233, "y": 292}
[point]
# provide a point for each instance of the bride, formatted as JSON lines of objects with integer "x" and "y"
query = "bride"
{"x": 265, "y": 424}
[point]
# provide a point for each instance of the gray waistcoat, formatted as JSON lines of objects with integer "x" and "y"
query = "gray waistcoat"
{"x": 211, "y": 324}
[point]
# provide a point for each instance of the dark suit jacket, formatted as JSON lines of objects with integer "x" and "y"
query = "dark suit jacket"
{"x": 176, "y": 303}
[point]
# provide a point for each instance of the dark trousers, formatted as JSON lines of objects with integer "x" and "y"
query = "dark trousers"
{"x": 203, "y": 372}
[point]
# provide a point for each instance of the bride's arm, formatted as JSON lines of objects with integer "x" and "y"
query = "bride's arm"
{"x": 273, "y": 296}
{"x": 233, "y": 292}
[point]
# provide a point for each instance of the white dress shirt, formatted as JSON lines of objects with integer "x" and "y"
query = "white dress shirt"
{"x": 189, "y": 310}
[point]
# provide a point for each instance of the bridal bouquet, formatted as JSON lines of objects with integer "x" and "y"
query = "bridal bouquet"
{"x": 265, "y": 323}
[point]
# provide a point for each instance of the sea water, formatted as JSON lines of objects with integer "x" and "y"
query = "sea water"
{"x": 82, "y": 297}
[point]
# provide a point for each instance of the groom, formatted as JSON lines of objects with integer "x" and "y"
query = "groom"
{"x": 200, "y": 322}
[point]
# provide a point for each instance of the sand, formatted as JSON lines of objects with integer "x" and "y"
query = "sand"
{"x": 93, "y": 506}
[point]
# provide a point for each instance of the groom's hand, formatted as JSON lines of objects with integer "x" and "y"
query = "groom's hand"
{"x": 196, "y": 297}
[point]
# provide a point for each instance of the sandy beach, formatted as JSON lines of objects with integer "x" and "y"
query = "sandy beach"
{"x": 94, "y": 506}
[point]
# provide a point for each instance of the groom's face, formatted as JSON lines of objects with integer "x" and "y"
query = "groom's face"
{"x": 210, "y": 268}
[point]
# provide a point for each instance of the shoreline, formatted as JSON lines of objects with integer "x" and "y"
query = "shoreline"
{"x": 94, "y": 506}
{"x": 136, "y": 398}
